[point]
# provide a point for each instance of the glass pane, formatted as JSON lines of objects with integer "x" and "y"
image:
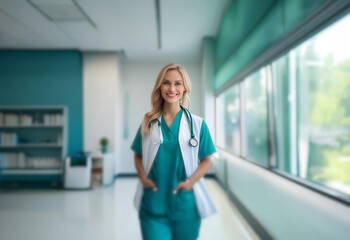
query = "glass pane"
{"x": 228, "y": 120}
{"x": 323, "y": 86}
{"x": 312, "y": 108}
{"x": 255, "y": 108}
{"x": 282, "y": 113}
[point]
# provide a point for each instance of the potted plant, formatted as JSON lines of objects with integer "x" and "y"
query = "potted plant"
{"x": 104, "y": 144}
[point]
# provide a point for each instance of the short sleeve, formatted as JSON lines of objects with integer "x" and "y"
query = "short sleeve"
{"x": 206, "y": 145}
{"x": 137, "y": 143}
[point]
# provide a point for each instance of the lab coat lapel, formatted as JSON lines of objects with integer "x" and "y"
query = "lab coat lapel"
{"x": 151, "y": 145}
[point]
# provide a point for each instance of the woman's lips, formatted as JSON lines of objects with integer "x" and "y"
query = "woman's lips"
{"x": 171, "y": 95}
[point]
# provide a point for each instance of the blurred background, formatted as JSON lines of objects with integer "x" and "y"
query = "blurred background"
{"x": 271, "y": 78}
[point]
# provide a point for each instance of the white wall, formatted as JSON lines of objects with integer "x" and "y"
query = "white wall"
{"x": 102, "y": 108}
{"x": 286, "y": 209}
{"x": 138, "y": 79}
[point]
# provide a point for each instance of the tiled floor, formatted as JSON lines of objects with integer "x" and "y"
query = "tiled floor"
{"x": 101, "y": 213}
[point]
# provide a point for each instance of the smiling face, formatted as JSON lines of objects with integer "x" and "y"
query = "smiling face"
{"x": 172, "y": 87}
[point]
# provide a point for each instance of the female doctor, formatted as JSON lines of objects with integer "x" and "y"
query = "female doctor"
{"x": 172, "y": 153}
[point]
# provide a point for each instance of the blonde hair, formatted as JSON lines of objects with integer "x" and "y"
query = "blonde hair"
{"x": 157, "y": 100}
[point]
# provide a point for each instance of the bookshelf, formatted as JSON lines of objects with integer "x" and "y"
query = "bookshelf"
{"x": 33, "y": 142}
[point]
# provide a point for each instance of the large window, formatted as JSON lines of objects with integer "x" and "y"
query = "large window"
{"x": 228, "y": 120}
{"x": 318, "y": 108}
{"x": 310, "y": 114}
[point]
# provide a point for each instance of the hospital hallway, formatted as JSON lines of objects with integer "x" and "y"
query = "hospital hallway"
{"x": 252, "y": 95}
{"x": 103, "y": 213}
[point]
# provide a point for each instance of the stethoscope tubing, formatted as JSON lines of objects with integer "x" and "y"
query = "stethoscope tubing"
{"x": 193, "y": 141}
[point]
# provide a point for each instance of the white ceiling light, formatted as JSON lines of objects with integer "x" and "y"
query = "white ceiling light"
{"x": 59, "y": 11}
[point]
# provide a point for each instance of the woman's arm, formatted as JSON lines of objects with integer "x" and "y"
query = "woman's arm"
{"x": 203, "y": 167}
{"x": 146, "y": 182}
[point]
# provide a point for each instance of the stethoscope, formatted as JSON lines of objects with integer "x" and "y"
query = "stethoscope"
{"x": 193, "y": 141}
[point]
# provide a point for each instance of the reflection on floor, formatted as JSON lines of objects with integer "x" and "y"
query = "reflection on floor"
{"x": 101, "y": 213}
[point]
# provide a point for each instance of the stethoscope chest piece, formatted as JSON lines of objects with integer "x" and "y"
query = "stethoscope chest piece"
{"x": 193, "y": 142}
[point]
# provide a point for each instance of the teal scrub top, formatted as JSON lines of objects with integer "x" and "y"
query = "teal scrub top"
{"x": 168, "y": 170}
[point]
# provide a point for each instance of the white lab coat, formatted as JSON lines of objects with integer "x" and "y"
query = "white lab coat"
{"x": 150, "y": 146}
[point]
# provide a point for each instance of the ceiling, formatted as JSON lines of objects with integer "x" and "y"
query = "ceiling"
{"x": 130, "y": 26}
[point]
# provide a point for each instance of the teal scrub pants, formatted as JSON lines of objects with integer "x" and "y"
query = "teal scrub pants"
{"x": 162, "y": 228}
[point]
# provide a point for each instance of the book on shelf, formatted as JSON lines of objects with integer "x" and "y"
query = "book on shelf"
{"x": 3, "y": 161}
{"x": 1, "y": 119}
{"x": 43, "y": 162}
{"x": 21, "y": 161}
{"x": 53, "y": 119}
{"x": 26, "y": 120}
{"x": 59, "y": 138}
{"x": 8, "y": 139}
{"x": 11, "y": 119}
{"x": 8, "y": 160}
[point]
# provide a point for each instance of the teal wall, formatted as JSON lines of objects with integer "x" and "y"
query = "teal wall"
{"x": 45, "y": 78}
{"x": 208, "y": 61}
{"x": 249, "y": 27}
{"x": 208, "y": 72}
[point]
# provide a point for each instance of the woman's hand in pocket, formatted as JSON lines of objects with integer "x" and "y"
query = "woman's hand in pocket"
{"x": 187, "y": 185}
{"x": 148, "y": 183}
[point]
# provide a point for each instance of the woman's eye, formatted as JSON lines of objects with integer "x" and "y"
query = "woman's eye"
{"x": 177, "y": 84}
{"x": 166, "y": 83}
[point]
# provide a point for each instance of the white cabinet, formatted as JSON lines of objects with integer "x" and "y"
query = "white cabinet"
{"x": 103, "y": 168}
